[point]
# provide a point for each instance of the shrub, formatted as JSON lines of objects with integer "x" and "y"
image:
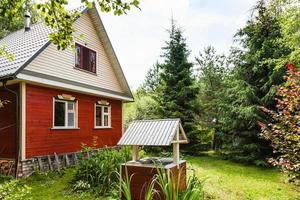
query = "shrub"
{"x": 283, "y": 129}
{"x": 13, "y": 191}
{"x": 99, "y": 172}
{"x": 5, "y": 178}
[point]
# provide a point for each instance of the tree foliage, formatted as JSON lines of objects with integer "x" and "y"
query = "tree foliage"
{"x": 251, "y": 82}
{"x": 10, "y": 22}
{"x": 283, "y": 129}
{"x": 177, "y": 91}
{"x": 152, "y": 78}
{"x": 144, "y": 107}
{"x": 211, "y": 72}
{"x": 289, "y": 17}
{"x": 229, "y": 90}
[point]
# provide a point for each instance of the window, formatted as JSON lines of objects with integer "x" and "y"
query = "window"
{"x": 64, "y": 114}
{"x": 85, "y": 58}
{"x": 102, "y": 116}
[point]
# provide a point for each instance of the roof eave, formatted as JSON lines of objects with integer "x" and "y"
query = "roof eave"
{"x": 113, "y": 52}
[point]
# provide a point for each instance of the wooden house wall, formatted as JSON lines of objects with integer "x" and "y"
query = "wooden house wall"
{"x": 41, "y": 139}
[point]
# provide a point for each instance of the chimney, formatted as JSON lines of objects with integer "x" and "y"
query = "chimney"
{"x": 27, "y": 20}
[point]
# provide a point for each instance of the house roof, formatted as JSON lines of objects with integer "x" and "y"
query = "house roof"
{"x": 23, "y": 45}
{"x": 160, "y": 132}
{"x": 26, "y": 45}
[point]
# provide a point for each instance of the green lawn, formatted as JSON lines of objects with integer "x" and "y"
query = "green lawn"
{"x": 223, "y": 180}
{"x": 227, "y": 180}
{"x": 54, "y": 186}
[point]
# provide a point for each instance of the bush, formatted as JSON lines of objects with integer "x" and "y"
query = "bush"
{"x": 13, "y": 191}
{"x": 99, "y": 173}
{"x": 5, "y": 178}
{"x": 283, "y": 129}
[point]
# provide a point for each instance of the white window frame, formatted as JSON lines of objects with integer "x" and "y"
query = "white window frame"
{"x": 75, "y": 111}
{"x": 102, "y": 116}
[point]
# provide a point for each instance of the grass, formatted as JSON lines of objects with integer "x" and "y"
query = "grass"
{"x": 227, "y": 180}
{"x": 55, "y": 186}
{"x": 223, "y": 180}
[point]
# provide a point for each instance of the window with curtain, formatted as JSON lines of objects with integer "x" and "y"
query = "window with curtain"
{"x": 85, "y": 58}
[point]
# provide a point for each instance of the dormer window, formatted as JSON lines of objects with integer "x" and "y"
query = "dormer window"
{"x": 85, "y": 58}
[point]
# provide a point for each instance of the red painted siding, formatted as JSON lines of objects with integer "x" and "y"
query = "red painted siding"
{"x": 41, "y": 140}
{"x": 8, "y": 124}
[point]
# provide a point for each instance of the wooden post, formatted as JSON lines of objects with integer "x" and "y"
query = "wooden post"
{"x": 22, "y": 128}
{"x": 57, "y": 161}
{"x": 50, "y": 163}
{"x": 135, "y": 153}
{"x": 40, "y": 164}
{"x": 67, "y": 160}
{"x": 176, "y": 148}
{"x": 176, "y": 153}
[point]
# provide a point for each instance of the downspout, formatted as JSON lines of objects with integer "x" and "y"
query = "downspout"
{"x": 17, "y": 126}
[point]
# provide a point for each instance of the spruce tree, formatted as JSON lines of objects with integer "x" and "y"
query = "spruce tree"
{"x": 177, "y": 91}
{"x": 212, "y": 70}
{"x": 252, "y": 83}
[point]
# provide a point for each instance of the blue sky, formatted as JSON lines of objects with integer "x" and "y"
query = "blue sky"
{"x": 138, "y": 36}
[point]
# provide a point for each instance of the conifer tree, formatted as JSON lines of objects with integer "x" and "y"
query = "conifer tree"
{"x": 177, "y": 91}
{"x": 252, "y": 82}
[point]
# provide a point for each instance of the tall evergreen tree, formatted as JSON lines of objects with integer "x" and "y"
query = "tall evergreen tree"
{"x": 212, "y": 69}
{"x": 177, "y": 91}
{"x": 152, "y": 79}
{"x": 211, "y": 73}
{"x": 252, "y": 82}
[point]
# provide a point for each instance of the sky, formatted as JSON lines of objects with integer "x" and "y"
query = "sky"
{"x": 139, "y": 36}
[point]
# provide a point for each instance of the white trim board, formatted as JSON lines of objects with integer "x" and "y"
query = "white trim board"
{"x": 66, "y": 86}
{"x": 23, "y": 120}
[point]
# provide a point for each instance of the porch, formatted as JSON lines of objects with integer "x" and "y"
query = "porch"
{"x": 10, "y": 140}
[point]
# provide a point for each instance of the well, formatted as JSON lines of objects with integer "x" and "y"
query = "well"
{"x": 162, "y": 132}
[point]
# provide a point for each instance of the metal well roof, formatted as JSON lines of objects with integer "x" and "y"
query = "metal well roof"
{"x": 151, "y": 132}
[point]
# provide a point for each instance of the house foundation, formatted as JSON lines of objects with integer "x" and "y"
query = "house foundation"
{"x": 54, "y": 162}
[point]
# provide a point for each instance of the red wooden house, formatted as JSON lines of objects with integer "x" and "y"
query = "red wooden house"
{"x": 65, "y": 98}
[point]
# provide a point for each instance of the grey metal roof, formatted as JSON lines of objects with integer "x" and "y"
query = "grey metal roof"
{"x": 159, "y": 132}
{"x": 24, "y": 46}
